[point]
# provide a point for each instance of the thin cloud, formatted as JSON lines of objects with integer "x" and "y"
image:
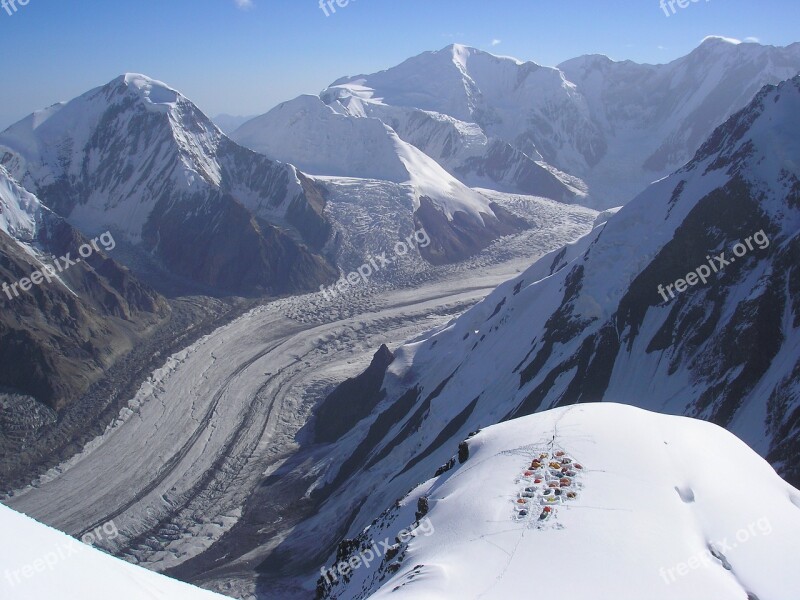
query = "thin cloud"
{"x": 244, "y": 4}
{"x": 752, "y": 40}
{"x": 496, "y": 42}
{"x": 730, "y": 40}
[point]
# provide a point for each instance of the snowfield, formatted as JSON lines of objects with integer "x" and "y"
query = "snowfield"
{"x": 45, "y": 563}
{"x": 667, "y": 508}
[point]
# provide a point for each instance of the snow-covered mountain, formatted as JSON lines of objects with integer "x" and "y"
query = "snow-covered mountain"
{"x": 591, "y": 125}
{"x": 137, "y": 157}
{"x": 60, "y": 334}
{"x": 588, "y": 323}
{"x": 656, "y": 116}
{"x": 645, "y": 506}
{"x": 40, "y": 562}
{"x": 322, "y": 141}
{"x": 345, "y": 132}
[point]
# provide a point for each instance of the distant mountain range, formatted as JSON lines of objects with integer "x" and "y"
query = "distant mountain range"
{"x": 592, "y": 130}
{"x": 194, "y": 212}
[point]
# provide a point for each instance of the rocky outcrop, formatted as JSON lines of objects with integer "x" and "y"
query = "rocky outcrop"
{"x": 353, "y": 399}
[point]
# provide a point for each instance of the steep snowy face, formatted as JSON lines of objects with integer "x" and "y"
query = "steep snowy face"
{"x": 137, "y": 157}
{"x": 462, "y": 148}
{"x": 441, "y": 124}
{"x": 40, "y": 562}
{"x": 617, "y": 126}
{"x": 524, "y": 104}
{"x": 322, "y": 141}
{"x": 307, "y": 133}
{"x": 329, "y": 140}
{"x": 20, "y": 211}
{"x": 127, "y": 127}
{"x": 435, "y": 81}
{"x": 667, "y": 111}
{"x": 591, "y": 501}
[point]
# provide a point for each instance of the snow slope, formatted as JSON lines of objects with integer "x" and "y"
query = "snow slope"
{"x": 20, "y": 211}
{"x": 310, "y": 134}
{"x": 655, "y": 492}
{"x": 347, "y": 133}
{"x": 39, "y": 562}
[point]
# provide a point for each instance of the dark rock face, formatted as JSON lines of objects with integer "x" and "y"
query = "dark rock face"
{"x": 504, "y": 162}
{"x": 227, "y": 249}
{"x": 353, "y": 399}
{"x": 456, "y": 240}
{"x": 463, "y": 452}
{"x": 307, "y": 213}
{"x": 55, "y": 343}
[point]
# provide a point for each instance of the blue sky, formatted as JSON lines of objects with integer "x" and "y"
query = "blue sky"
{"x": 245, "y": 56}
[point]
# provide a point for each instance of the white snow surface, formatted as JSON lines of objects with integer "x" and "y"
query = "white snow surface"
{"x": 39, "y": 562}
{"x": 311, "y": 135}
{"x": 50, "y": 144}
{"x": 656, "y": 492}
{"x": 20, "y": 210}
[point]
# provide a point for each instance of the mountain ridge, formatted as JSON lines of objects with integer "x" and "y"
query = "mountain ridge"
{"x": 137, "y": 157}
{"x": 592, "y": 130}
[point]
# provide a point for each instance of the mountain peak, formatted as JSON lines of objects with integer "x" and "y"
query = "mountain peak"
{"x": 587, "y": 61}
{"x": 455, "y": 47}
{"x": 719, "y": 41}
{"x": 150, "y": 90}
{"x": 461, "y": 52}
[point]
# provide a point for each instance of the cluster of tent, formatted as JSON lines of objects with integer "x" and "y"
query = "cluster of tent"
{"x": 549, "y": 481}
